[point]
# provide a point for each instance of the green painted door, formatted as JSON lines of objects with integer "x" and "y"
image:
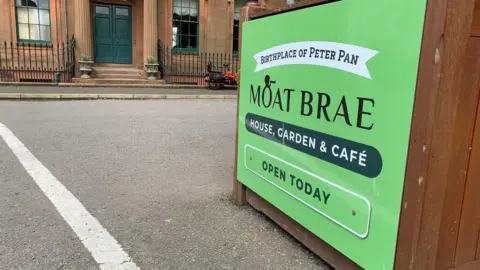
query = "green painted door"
{"x": 122, "y": 34}
{"x": 112, "y": 34}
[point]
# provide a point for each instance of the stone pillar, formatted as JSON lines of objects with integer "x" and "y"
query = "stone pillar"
{"x": 150, "y": 33}
{"x": 83, "y": 28}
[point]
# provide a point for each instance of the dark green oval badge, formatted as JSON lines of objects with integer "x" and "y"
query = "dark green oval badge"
{"x": 356, "y": 157}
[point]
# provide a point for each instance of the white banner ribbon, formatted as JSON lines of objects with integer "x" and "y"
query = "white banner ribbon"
{"x": 340, "y": 56}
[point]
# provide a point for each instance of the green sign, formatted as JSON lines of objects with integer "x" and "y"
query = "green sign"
{"x": 324, "y": 119}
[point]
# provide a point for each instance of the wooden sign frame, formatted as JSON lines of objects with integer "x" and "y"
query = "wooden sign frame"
{"x": 446, "y": 101}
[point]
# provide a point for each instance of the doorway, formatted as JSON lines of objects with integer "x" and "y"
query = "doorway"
{"x": 112, "y": 36}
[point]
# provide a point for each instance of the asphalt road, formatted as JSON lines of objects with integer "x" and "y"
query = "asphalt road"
{"x": 156, "y": 174}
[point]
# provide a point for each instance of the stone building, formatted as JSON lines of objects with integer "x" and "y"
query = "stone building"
{"x": 124, "y": 31}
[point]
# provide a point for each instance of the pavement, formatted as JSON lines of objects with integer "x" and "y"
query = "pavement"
{"x": 156, "y": 174}
{"x": 69, "y": 93}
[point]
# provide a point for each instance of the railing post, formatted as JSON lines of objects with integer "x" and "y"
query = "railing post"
{"x": 210, "y": 60}
{"x": 46, "y": 51}
{"x": 196, "y": 67}
{"x": 1, "y": 67}
{"x": 36, "y": 61}
{"x": 170, "y": 51}
{"x": 59, "y": 67}
{"x": 12, "y": 55}
{"x": 159, "y": 53}
{"x": 53, "y": 56}
{"x": 6, "y": 55}
{"x": 18, "y": 59}
{"x": 42, "y": 67}
{"x": 74, "y": 61}
{"x": 205, "y": 62}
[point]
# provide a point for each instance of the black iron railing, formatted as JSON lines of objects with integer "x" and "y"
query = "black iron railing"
{"x": 191, "y": 67}
{"x": 40, "y": 63}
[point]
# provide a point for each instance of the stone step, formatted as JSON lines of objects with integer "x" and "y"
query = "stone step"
{"x": 109, "y": 70}
{"x": 119, "y": 76}
{"x": 115, "y": 65}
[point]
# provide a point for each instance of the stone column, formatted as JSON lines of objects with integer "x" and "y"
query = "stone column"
{"x": 83, "y": 28}
{"x": 150, "y": 33}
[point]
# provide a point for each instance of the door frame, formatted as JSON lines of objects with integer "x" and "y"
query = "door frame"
{"x": 112, "y": 15}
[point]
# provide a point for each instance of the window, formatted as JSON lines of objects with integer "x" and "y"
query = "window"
{"x": 33, "y": 20}
{"x": 121, "y": 12}
{"x": 236, "y": 23}
{"x": 102, "y": 10}
{"x": 185, "y": 25}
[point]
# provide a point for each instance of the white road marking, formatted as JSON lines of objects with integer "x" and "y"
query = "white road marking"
{"x": 103, "y": 247}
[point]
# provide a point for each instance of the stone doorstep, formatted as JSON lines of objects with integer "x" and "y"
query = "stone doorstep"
{"x": 108, "y": 65}
{"x": 116, "y": 76}
{"x": 119, "y": 73}
{"x": 117, "y": 69}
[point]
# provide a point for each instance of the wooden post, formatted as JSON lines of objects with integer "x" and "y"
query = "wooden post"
{"x": 439, "y": 143}
{"x": 239, "y": 190}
